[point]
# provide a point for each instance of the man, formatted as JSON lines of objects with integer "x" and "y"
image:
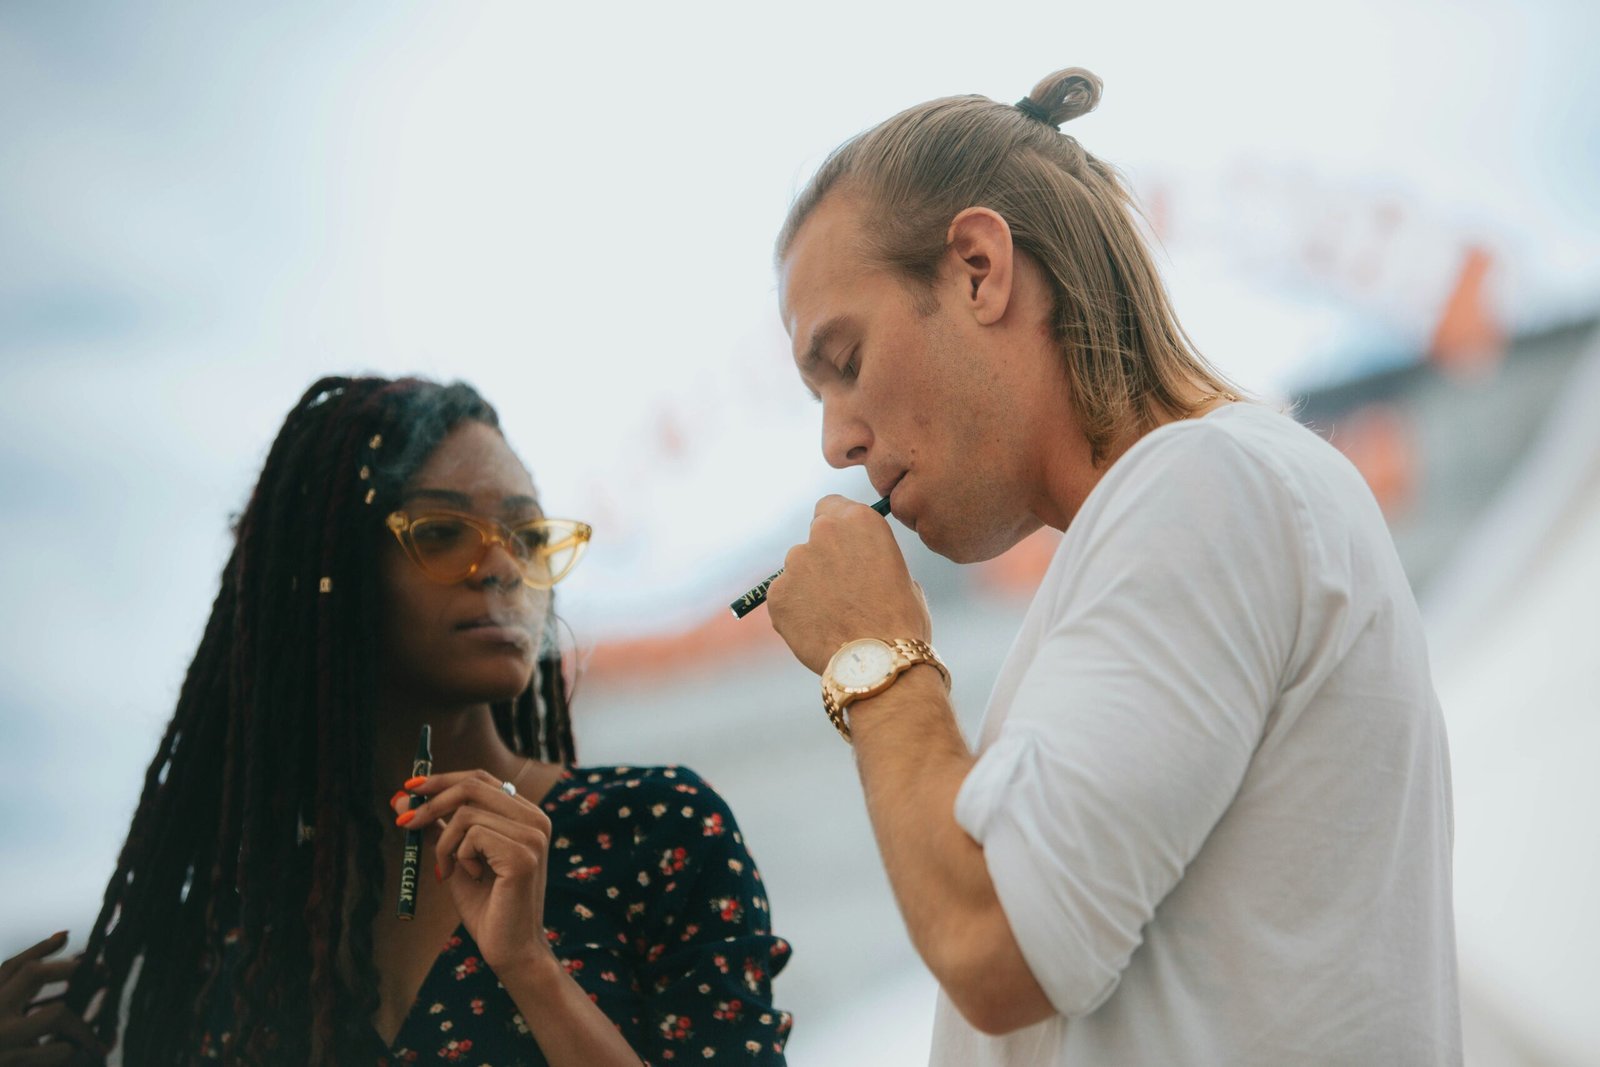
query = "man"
{"x": 1208, "y": 821}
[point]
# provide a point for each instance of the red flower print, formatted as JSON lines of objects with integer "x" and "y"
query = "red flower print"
{"x": 455, "y": 1050}
{"x": 729, "y": 908}
{"x": 712, "y": 824}
{"x": 583, "y": 874}
{"x": 476, "y": 1004}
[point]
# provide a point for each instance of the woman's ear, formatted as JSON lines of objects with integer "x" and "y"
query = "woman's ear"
{"x": 982, "y": 257}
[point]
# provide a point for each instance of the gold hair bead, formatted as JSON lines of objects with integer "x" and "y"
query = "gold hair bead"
{"x": 366, "y": 472}
{"x": 376, "y": 442}
{"x": 370, "y": 494}
{"x": 325, "y": 585}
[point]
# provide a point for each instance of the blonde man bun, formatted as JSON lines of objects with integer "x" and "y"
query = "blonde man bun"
{"x": 1062, "y": 96}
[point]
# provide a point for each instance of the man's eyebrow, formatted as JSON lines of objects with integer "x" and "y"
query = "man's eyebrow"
{"x": 821, "y": 338}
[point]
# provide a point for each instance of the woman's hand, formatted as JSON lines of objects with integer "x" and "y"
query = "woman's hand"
{"x": 24, "y": 1023}
{"x": 491, "y": 850}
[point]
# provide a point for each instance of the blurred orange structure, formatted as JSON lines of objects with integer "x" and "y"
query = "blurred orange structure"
{"x": 1380, "y": 440}
{"x": 1469, "y": 338}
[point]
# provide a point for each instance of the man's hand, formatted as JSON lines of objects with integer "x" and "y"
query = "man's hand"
{"x": 848, "y": 581}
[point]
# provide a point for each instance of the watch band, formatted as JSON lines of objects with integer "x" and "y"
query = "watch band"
{"x": 912, "y": 651}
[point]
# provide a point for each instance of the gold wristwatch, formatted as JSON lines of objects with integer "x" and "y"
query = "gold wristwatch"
{"x": 866, "y": 667}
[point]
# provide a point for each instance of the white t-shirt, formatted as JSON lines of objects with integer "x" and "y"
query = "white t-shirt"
{"x": 1213, "y": 789}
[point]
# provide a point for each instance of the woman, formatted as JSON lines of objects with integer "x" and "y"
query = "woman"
{"x": 393, "y": 569}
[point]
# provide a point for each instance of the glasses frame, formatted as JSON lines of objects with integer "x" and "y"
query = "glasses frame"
{"x": 573, "y": 534}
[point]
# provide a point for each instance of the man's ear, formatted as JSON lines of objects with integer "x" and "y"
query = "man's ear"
{"x": 980, "y": 254}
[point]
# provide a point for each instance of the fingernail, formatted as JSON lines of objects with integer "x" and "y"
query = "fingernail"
{"x": 405, "y": 817}
{"x": 398, "y": 793}
{"x": 412, "y": 783}
{"x": 58, "y": 935}
{"x": 438, "y": 875}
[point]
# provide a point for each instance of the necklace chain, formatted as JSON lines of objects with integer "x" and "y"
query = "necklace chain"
{"x": 516, "y": 782}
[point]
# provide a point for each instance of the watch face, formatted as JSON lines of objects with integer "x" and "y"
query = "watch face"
{"x": 864, "y": 663}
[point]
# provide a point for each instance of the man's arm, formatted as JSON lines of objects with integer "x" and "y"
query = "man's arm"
{"x": 850, "y": 581}
{"x": 912, "y": 760}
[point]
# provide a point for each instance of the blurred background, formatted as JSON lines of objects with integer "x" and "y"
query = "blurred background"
{"x": 1385, "y": 213}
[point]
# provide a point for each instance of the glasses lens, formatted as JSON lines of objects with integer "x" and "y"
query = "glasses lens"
{"x": 446, "y": 547}
{"x": 553, "y": 547}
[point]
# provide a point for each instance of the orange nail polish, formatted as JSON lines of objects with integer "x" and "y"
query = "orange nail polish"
{"x": 398, "y": 793}
{"x": 438, "y": 875}
{"x": 405, "y": 817}
{"x": 412, "y": 783}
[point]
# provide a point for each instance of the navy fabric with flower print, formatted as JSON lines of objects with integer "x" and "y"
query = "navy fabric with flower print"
{"x": 654, "y": 907}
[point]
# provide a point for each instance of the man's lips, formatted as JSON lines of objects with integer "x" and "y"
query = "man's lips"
{"x": 887, "y": 488}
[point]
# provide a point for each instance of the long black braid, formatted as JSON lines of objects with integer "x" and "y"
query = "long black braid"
{"x": 259, "y": 794}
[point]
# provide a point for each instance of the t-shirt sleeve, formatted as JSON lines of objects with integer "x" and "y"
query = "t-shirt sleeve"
{"x": 1130, "y": 732}
{"x": 709, "y": 952}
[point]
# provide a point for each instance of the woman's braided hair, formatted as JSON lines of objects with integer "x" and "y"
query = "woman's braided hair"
{"x": 274, "y": 732}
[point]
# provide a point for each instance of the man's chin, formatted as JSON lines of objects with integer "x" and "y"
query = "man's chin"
{"x": 971, "y": 550}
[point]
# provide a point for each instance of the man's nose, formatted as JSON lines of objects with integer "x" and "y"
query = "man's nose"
{"x": 845, "y": 438}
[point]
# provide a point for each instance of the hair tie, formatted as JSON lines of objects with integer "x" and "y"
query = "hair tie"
{"x": 1034, "y": 111}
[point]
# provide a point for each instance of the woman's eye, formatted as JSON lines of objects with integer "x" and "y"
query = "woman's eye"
{"x": 437, "y": 534}
{"x": 532, "y": 539}
{"x": 849, "y": 370}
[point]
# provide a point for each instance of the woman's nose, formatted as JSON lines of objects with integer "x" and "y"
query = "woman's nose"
{"x": 499, "y": 566}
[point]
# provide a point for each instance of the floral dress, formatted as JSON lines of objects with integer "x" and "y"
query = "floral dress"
{"x": 653, "y": 905}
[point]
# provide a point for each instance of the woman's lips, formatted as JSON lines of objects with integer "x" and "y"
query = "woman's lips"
{"x": 496, "y": 632}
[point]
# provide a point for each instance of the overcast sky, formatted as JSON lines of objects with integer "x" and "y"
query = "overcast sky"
{"x": 204, "y": 207}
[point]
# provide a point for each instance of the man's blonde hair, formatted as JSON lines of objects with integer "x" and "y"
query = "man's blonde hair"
{"x": 1128, "y": 360}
